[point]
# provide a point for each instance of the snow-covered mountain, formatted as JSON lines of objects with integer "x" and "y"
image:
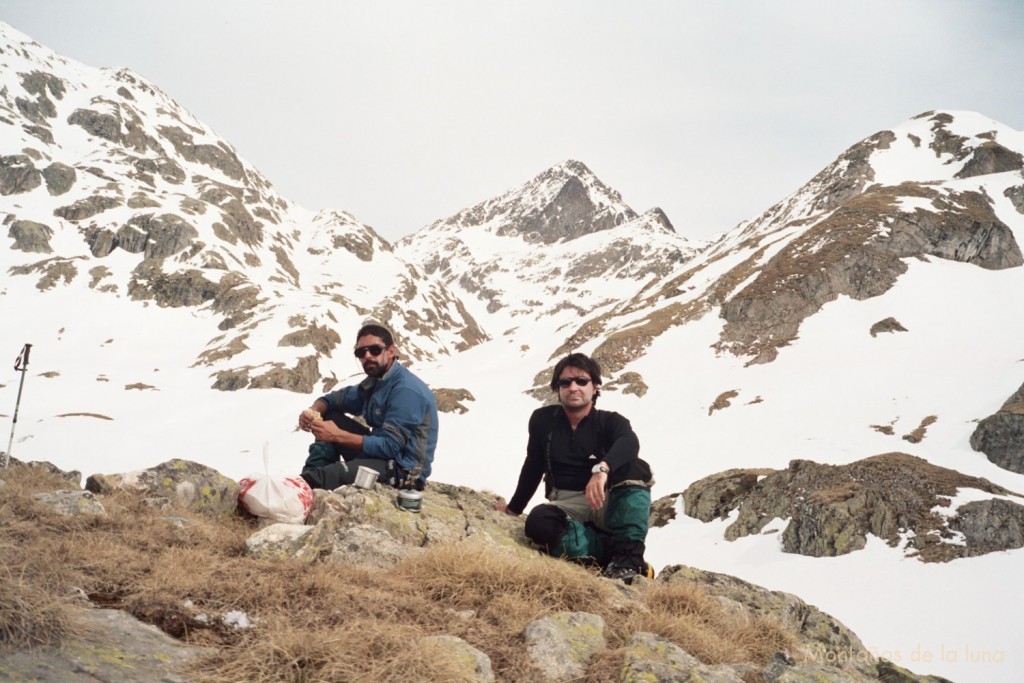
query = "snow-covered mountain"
{"x": 560, "y": 248}
{"x": 110, "y": 186}
{"x": 162, "y": 281}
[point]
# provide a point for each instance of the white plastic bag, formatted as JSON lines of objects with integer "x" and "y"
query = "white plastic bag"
{"x": 276, "y": 497}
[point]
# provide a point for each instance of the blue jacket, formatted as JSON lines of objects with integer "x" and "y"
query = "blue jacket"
{"x": 402, "y": 413}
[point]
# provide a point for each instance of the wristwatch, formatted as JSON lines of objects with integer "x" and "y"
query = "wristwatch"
{"x": 600, "y": 467}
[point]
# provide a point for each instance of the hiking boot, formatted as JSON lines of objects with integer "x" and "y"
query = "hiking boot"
{"x": 626, "y": 571}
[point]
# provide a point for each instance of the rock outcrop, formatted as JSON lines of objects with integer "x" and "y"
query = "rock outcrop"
{"x": 364, "y": 528}
{"x": 829, "y": 510}
{"x": 1000, "y": 436}
{"x": 110, "y": 646}
{"x": 196, "y": 486}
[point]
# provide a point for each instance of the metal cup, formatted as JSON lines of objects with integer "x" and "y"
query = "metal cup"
{"x": 365, "y": 477}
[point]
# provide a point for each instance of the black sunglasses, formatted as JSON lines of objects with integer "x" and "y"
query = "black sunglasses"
{"x": 565, "y": 383}
{"x": 372, "y": 349}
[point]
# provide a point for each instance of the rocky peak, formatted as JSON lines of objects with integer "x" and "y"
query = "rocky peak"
{"x": 563, "y": 202}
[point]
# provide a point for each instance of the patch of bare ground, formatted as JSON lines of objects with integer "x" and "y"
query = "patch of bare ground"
{"x": 451, "y": 400}
{"x": 626, "y": 345}
{"x": 629, "y": 382}
{"x": 49, "y": 374}
{"x": 224, "y": 351}
{"x": 890, "y": 324}
{"x": 723, "y": 400}
{"x": 96, "y": 415}
{"x": 888, "y": 429}
{"x": 322, "y": 339}
{"x": 140, "y": 386}
{"x": 917, "y": 436}
{"x": 181, "y": 571}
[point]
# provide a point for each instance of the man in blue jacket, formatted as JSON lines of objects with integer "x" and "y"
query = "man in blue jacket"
{"x": 399, "y": 409}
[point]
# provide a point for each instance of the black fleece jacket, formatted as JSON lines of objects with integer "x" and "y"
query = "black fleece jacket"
{"x": 602, "y": 436}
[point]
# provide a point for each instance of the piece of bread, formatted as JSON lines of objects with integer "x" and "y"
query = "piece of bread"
{"x": 313, "y": 415}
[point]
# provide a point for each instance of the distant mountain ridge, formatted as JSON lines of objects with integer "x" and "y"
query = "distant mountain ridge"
{"x": 104, "y": 173}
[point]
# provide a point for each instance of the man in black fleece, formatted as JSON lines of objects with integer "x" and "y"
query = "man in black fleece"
{"x": 598, "y": 488}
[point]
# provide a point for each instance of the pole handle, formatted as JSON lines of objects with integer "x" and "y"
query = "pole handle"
{"x": 21, "y": 362}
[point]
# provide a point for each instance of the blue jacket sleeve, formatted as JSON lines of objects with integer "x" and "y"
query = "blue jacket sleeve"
{"x": 347, "y": 400}
{"x": 404, "y": 424}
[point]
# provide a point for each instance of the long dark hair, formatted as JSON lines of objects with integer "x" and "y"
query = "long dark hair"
{"x": 580, "y": 361}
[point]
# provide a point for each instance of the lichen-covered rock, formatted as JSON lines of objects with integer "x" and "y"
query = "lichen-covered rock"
{"x": 449, "y": 513}
{"x": 195, "y": 486}
{"x": 650, "y": 658}
{"x": 366, "y": 527}
{"x": 72, "y": 477}
{"x": 31, "y": 237}
{"x": 822, "y": 637}
{"x": 109, "y": 646}
{"x": 562, "y": 645}
{"x": 71, "y": 503}
{"x": 891, "y": 673}
{"x": 474, "y": 665}
{"x": 278, "y": 541}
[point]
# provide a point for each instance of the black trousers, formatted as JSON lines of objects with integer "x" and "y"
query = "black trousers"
{"x": 330, "y": 465}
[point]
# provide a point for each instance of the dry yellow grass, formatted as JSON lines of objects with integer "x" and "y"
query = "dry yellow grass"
{"x": 318, "y": 622}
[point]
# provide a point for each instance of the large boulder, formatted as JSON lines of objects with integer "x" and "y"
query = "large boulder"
{"x": 1000, "y": 436}
{"x": 195, "y": 486}
{"x": 366, "y": 527}
{"x": 18, "y": 174}
{"x": 31, "y": 236}
{"x": 71, "y": 503}
{"x": 108, "y": 646}
{"x": 562, "y": 645}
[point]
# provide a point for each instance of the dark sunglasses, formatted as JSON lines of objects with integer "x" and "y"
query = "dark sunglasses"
{"x": 566, "y": 383}
{"x": 373, "y": 349}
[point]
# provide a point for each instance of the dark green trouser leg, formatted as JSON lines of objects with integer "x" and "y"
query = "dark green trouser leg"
{"x": 629, "y": 511}
{"x": 580, "y": 542}
{"x": 551, "y": 528}
{"x": 322, "y": 453}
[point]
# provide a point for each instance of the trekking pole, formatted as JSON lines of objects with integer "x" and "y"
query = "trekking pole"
{"x": 20, "y": 365}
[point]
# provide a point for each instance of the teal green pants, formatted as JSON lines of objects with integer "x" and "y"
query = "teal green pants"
{"x": 623, "y": 518}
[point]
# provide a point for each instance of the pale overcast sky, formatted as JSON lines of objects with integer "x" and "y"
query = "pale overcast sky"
{"x": 406, "y": 112}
